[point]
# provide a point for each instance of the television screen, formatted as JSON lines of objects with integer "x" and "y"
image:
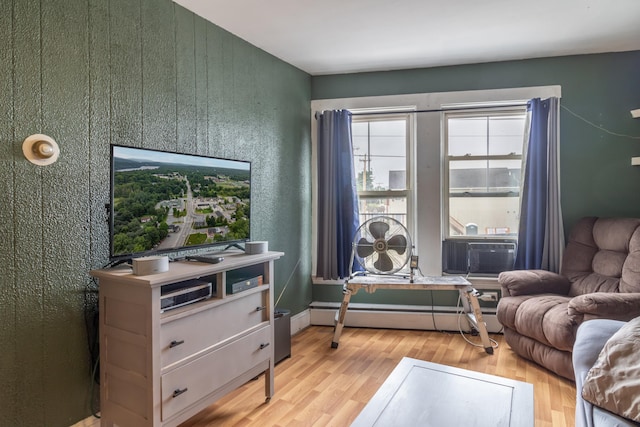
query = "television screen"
{"x": 166, "y": 202}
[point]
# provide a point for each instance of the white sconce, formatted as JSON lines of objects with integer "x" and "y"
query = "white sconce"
{"x": 40, "y": 149}
{"x": 635, "y": 113}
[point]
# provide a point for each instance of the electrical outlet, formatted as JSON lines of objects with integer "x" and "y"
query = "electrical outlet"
{"x": 489, "y": 296}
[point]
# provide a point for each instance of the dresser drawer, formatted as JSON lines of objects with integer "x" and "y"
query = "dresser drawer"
{"x": 188, "y": 335}
{"x": 195, "y": 380}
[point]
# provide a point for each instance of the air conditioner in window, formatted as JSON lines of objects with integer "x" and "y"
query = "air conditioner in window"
{"x": 480, "y": 258}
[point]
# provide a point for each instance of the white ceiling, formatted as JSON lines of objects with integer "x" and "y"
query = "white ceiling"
{"x": 344, "y": 36}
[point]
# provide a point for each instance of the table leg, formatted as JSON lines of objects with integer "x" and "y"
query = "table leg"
{"x": 339, "y": 321}
{"x": 474, "y": 314}
{"x": 269, "y": 388}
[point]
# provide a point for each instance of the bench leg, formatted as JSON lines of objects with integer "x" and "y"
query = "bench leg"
{"x": 474, "y": 315}
{"x": 340, "y": 315}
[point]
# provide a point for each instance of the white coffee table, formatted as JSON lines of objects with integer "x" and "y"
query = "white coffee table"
{"x": 419, "y": 393}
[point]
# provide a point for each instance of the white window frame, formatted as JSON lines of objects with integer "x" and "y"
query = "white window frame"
{"x": 427, "y": 158}
{"x": 371, "y": 116}
{"x": 491, "y": 110}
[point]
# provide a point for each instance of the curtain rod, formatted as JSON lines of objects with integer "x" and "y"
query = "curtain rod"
{"x": 435, "y": 110}
{"x": 439, "y": 110}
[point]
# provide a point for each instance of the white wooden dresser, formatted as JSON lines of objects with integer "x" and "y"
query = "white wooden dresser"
{"x": 161, "y": 368}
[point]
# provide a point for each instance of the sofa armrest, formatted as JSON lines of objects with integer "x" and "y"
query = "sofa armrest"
{"x": 604, "y": 305}
{"x": 590, "y": 339}
{"x": 531, "y": 282}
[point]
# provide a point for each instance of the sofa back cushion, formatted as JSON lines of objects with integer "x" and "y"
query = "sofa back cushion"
{"x": 603, "y": 255}
{"x": 630, "y": 280}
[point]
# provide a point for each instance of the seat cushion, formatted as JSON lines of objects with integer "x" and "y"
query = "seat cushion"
{"x": 541, "y": 317}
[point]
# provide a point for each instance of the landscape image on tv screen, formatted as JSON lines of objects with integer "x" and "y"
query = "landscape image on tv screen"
{"x": 162, "y": 201}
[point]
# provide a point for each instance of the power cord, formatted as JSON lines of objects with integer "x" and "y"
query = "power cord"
{"x": 590, "y": 123}
{"x": 91, "y": 324}
{"x": 460, "y": 312}
{"x": 433, "y": 314}
{"x": 94, "y": 410}
{"x": 284, "y": 288}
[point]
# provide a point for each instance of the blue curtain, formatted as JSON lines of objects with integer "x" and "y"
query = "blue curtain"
{"x": 540, "y": 233}
{"x": 338, "y": 217}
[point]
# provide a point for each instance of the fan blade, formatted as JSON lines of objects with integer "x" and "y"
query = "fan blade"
{"x": 378, "y": 229}
{"x": 398, "y": 243}
{"x": 384, "y": 262}
{"x": 364, "y": 248}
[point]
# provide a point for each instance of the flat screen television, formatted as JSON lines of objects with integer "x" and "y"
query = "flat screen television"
{"x": 168, "y": 202}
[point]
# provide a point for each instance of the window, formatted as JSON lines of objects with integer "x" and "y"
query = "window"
{"x": 482, "y": 169}
{"x": 435, "y": 210}
{"x": 381, "y": 145}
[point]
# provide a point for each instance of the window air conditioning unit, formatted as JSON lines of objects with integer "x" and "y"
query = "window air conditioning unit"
{"x": 473, "y": 257}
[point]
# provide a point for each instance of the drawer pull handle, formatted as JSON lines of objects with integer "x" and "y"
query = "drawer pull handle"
{"x": 177, "y": 392}
{"x": 261, "y": 308}
{"x": 175, "y": 343}
{"x": 264, "y": 345}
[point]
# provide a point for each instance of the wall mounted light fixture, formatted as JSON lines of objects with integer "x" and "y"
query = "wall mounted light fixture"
{"x": 40, "y": 149}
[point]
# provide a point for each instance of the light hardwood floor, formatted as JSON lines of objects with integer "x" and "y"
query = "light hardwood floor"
{"x": 321, "y": 386}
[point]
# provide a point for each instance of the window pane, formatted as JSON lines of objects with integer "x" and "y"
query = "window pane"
{"x": 506, "y": 135}
{"x": 504, "y": 176}
{"x": 467, "y": 176}
{"x": 492, "y": 135}
{"x": 360, "y": 139}
{"x": 467, "y": 135}
{"x": 484, "y": 216}
{"x": 395, "y": 207}
{"x": 484, "y": 197}
{"x": 379, "y": 149}
{"x": 359, "y": 133}
{"x": 484, "y": 176}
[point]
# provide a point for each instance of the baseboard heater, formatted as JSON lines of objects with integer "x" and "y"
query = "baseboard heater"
{"x": 390, "y": 316}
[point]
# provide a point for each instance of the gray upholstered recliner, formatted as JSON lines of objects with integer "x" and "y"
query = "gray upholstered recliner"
{"x": 600, "y": 278}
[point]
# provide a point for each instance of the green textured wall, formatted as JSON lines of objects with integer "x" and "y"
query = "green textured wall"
{"x": 143, "y": 73}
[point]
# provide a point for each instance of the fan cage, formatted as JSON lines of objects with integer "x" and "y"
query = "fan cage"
{"x": 381, "y": 245}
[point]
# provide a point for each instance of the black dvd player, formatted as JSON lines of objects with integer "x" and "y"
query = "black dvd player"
{"x": 182, "y": 293}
